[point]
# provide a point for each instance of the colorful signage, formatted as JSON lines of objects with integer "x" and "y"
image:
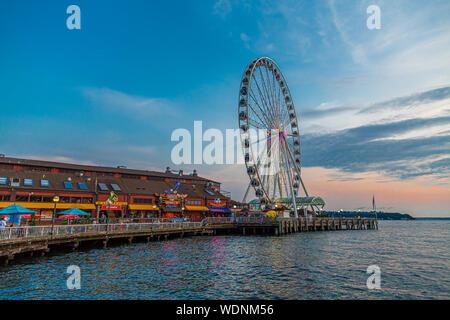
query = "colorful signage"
{"x": 112, "y": 198}
{"x": 115, "y": 203}
{"x": 216, "y": 203}
{"x": 171, "y": 200}
{"x": 111, "y": 207}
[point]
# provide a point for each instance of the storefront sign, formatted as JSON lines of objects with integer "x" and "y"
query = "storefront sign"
{"x": 171, "y": 200}
{"x": 216, "y": 203}
{"x": 111, "y": 207}
{"x": 115, "y": 203}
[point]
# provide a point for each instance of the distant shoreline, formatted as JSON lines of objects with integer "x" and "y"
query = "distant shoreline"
{"x": 433, "y": 218}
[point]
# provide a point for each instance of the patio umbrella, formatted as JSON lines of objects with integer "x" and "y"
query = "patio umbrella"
{"x": 70, "y": 216}
{"x": 28, "y": 216}
{"x": 15, "y": 210}
{"x": 75, "y": 211}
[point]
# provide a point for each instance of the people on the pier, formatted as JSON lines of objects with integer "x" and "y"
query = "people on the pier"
{"x": 2, "y": 223}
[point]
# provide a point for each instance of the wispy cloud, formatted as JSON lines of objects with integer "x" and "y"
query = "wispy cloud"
{"x": 410, "y": 101}
{"x": 128, "y": 104}
{"x": 63, "y": 159}
{"x": 360, "y": 149}
{"x": 245, "y": 38}
{"x": 222, "y": 8}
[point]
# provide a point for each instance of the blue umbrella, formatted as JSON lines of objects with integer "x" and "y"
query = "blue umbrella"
{"x": 15, "y": 210}
{"x": 75, "y": 212}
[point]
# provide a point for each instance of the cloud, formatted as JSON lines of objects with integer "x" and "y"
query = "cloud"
{"x": 333, "y": 116}
{"x": 55, "y": 159}
{"x": 363, "y": 149}
{"x": 410, "y": 100}
{"x": 357, "y": 50}
{"x": 245, "y": 38}
{"x": 222, "y": 8}
{"x": 128, "y": 104}
{"x": 323, "y": 113}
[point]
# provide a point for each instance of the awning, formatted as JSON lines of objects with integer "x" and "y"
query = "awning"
{"x": 142, "y": 207}
{"x": 196, "y": 208}
{"x": 46, "y": 205}
{"x": 220, "y": 210}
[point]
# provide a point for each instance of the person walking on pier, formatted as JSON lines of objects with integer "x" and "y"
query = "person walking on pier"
{"x": 2, "y": 224}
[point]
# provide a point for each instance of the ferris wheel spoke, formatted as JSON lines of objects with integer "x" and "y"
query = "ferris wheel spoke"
{"x": 289, "y": 176}
{"x": 267, "y": 95}
{"x": 263, "y": 98}
{"x": 257, "y": 115}
{"x": 279, "y": 102}
{"x": 271, "y": 93}
{"x": 264, "y": 113}
{"x": 275, "y": 98}
{"x": 257, "y": 124}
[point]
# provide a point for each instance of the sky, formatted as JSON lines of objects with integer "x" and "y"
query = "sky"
{"x": 373, "y": 105}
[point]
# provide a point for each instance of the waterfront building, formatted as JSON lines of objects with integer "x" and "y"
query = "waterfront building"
{"x": 137, "y": 193}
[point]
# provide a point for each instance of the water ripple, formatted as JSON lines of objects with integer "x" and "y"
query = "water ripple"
{"x": 413, "y": 256}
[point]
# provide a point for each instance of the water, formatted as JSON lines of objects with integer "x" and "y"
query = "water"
{"x": 413, "y": 256}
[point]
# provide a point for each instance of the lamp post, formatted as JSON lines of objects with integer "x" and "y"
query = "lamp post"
{"x": 234, "y": 213}
{"x": 55, "y": 201}
{"x": 108, "y": 203}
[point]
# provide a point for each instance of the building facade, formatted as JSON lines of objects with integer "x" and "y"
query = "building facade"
{"x": 135, "y": 193}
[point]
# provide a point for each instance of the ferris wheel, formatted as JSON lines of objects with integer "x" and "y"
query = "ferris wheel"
{"x": 269, "y": 135}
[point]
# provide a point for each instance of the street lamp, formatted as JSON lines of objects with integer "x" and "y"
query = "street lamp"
{"x": 55, "y": 201}
{"x": 108, "y": 204}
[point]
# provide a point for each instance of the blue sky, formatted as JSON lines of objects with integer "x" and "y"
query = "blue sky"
{"x": 112, "y": 92}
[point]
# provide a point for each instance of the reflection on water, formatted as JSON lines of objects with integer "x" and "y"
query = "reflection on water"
{"x": 413, "y": 256}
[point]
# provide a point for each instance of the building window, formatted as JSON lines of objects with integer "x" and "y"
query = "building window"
{"x": 64, "y": 199}
{"x": 75, "y": 200}
{"x": 21, "y": 198}
{"x": 3, "y": 180}
{"x": 87, "y": 200}
{"x": 115, "y": 187}
{"x": 82, "y": 186}
{"x": 15, "y": 182}
{"x": 47, "y": 199}
{"x": 143, "y": 200}
{"x": 68, "y": 185}
{"x": 5, "y": 197}
{"x": 36, "y": 199}
{"x": 103, "y": 187}
{"x": 194, "y": 202}
{"x": 45, "y": 183}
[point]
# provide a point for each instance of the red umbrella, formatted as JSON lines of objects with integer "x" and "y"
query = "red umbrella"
{"x": 70, "y": 216}
{"x": 28, "y": 216}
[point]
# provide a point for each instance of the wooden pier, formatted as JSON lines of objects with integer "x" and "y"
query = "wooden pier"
{"x": 38, "y": 241}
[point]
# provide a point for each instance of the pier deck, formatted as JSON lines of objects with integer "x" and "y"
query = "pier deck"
{"x": 38, "y": 241}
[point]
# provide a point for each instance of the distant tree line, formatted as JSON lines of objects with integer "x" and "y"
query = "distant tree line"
{"x": 369, "y": 214}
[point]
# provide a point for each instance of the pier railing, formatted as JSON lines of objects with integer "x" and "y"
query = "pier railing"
{"x": 42, "y": 231}
{"x": 222, "y": 220}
